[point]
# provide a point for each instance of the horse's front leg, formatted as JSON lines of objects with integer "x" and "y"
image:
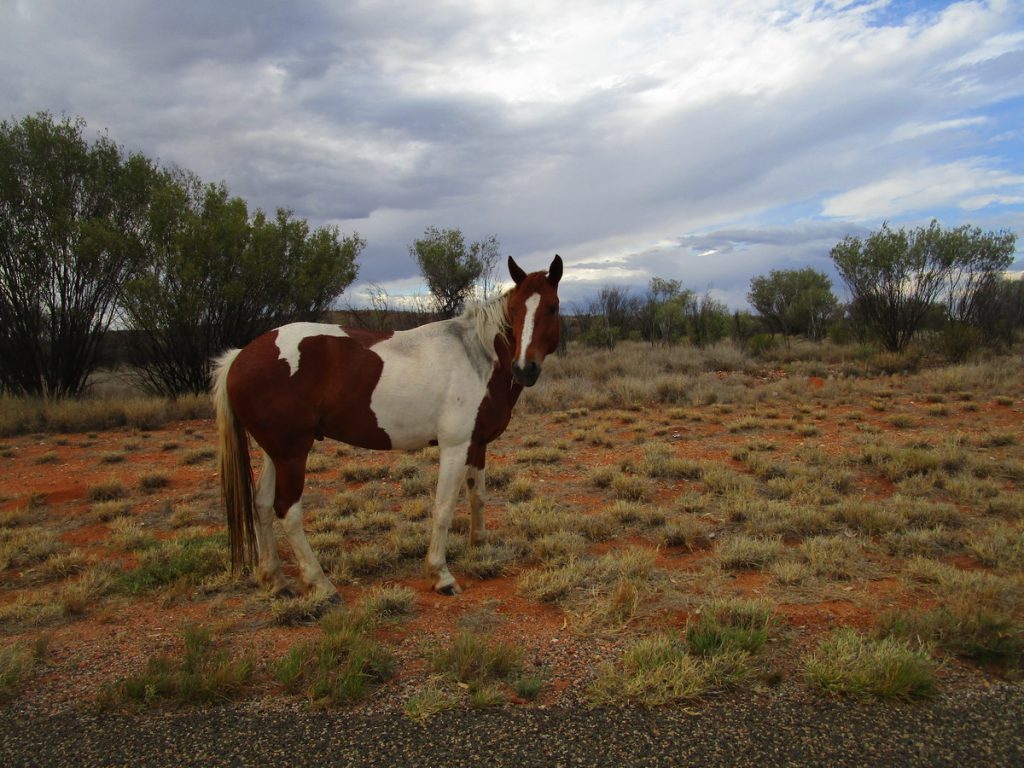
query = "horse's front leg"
{"x": 475, "y": 494}
{"x": 452, "y": 472}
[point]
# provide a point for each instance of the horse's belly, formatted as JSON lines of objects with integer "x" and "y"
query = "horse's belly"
{"x": 409, "y": 421}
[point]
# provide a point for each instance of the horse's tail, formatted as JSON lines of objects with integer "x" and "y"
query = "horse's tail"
{"x": 236, "y": 483}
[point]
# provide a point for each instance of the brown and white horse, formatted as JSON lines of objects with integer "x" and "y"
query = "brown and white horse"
{"x": 451, "y": 383}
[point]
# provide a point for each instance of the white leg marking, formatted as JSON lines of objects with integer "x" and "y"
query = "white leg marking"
{"x": 527, "y": 337}
{"x": 309, "y": 567}
{"x": 450, "y": 477}
{"x": 289, "y": 336}
{"x": 269, "y": 570}
{"x": 475, "y": 494}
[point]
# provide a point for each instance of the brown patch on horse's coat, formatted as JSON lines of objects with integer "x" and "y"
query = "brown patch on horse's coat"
{"x": 328, "y": 396}
{"x": 495, "y": 411}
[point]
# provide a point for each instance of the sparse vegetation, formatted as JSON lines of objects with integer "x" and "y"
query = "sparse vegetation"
{"x": 645, "y": 517}
{"x": 850, "y": 663}
{"x": 202, "y": 674}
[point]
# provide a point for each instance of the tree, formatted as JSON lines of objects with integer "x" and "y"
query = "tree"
{"x": 999, "y": 312}
{"x": 71, "y": 214}
{"x": 613, "y": 311}
{"x": 664, "y": 312}
{"x": 707, "y": 320}
{"x": 895, "y": 277}
{"x": 976, "y": 262}
{"x": 217, "y": 277}
{"x": 488, "y": 253}
{"x": 452, "y": 269}
{"x": 794, "y": 301}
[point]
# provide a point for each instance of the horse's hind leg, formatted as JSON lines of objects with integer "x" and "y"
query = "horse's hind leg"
{"x": 475, "y": 494}
{"x": 269, "y": 569}
{"x": 290, "y": 478}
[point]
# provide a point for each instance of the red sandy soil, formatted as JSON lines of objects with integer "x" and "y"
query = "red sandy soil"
{"x": 115, "y": 637}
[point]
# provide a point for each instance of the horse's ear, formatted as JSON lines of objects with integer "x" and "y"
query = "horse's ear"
{"x": 516, "y": 271}
{"x": 555, "y": 270}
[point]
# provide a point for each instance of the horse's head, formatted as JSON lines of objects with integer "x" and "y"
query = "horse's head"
{"x": 533, "y": 311}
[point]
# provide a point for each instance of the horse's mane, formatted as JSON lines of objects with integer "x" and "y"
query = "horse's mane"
{"x": 489, "y": 318}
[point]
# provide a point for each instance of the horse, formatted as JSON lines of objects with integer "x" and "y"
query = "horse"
{"x": 451, "y": 383}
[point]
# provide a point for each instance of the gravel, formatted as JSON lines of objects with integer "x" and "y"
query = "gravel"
{"x": 977, "y": 726}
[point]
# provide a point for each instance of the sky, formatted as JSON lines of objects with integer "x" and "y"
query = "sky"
{"x": 707, "y": 142}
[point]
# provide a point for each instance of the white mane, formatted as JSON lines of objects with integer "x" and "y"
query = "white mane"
{"x": 489, "y": 318}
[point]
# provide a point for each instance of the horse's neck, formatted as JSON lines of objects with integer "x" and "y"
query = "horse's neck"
{"x": 501, "y": 377}
{"x": 504, "y": 343}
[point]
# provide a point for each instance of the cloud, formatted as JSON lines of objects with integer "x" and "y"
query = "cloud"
{"x": 619, "y": 135}
{"x": 968, "y": 184}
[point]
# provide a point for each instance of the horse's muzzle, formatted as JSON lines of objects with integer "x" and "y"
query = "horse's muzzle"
{"x": 527, "y": 375}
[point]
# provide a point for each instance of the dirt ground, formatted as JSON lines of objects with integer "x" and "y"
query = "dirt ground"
{"x": 168, "y": 478}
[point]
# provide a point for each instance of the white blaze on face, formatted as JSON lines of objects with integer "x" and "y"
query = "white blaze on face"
{"x": 290, "y": 336}
{"x": 527, "y": 337}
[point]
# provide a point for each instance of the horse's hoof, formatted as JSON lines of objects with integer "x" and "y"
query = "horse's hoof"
{"x": 285, "y": 593}
{"x": 449, "y": 589}
{"x": 335, "y": 599}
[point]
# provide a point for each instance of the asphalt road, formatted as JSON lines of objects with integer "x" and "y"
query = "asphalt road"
{"x": 983, "y": 727}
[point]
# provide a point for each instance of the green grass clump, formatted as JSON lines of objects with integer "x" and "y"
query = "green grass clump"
{"x": 558, "y": 547}
{"x": 21, "y": 546}
{"x": 126, "y": 534}
{"x": 965, "y": 625}
{"x": 730, "y": 625}
{"x": 299, "y": 611}
{"x": 603, "y": 592}
{"x": 537, "y": 517}
{"x": 153, "y": 481}
{"x": 1002, "y": 548}
{"x": 630, "y": 488}
{"x": 203, "y": 674}
{"x": 540, "y": 455}
{"x": 661, "y": 462}
{"x": 850, "y": 663}
{"x": 687, "y": 532}
{"x": 342, "y": 665}
{"x": 518, "y": 490}
{"x": 472, "y": 660}
{"x": 362, "y": 473}
{"x": 741, "y": 552}
{"x": 833, "y": 557}
{"x": 109, "y": 490}
{"x": 486, "y": 561}
{"x": 16, "y": 663}
{"x": 198, "y": 456}
{"x": 663, "y": 669}
{"x": 191, "y": 560}
{"x": 432, "y": 698}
